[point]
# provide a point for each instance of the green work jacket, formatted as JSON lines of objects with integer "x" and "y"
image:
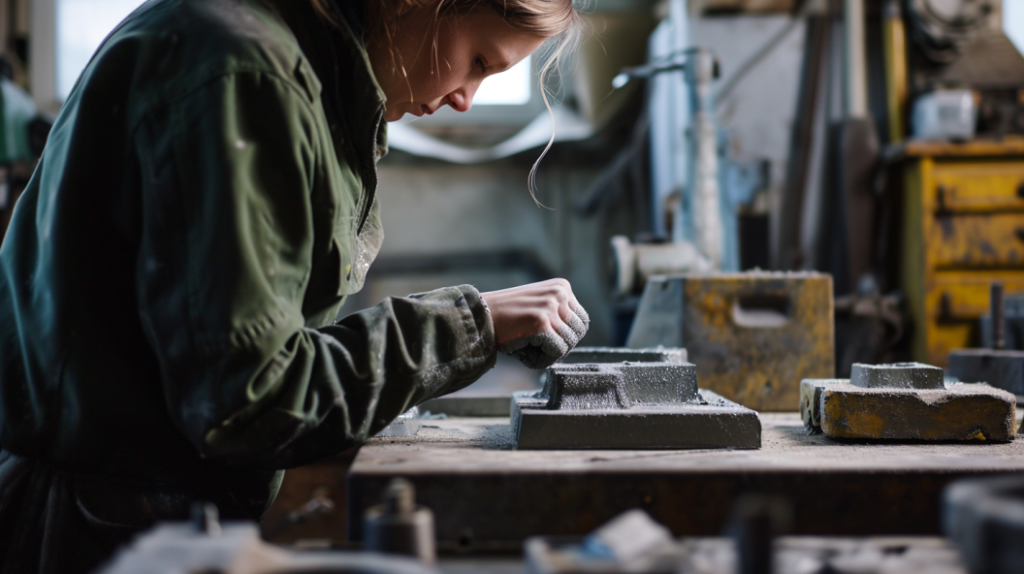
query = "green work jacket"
{"x": 172, "y": 273}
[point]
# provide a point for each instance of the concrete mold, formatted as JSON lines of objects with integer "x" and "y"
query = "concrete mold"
{"x": 629, "y": 406}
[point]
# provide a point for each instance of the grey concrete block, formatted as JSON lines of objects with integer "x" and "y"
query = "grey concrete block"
{"x": 622, "y": 354}
{"x": 1003, "y": 369}
{"x": 711, "y": 422}
{"x": 897, "y": 375}
{"x": 622, "y": 385}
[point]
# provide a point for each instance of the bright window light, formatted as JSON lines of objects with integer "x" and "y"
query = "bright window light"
{"x": 509, "y": 88}
{"x": 1013, "y": 22}
{"x": 81, "y": 27}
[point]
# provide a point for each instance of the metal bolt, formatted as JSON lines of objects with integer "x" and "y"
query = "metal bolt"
{"x": 998, "y": 317}
{"x": 755, "y": 523}
{"x": 400, "y": 498}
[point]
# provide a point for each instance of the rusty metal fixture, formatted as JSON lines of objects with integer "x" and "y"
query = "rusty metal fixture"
{"x": 753, "y": 336}
{"x": 906, "y": 401}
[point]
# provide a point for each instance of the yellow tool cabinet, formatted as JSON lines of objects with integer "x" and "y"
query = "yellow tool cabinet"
{"x": 963, "y": 228}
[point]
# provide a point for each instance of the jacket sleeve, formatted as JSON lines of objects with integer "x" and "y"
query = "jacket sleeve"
{"x": 224, "y": 263}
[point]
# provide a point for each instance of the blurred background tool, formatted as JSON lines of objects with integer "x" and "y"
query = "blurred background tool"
{"x": 753, "y": 336}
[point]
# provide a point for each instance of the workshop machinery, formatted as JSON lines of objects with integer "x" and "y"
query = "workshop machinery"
{"x": 998, "y": 366}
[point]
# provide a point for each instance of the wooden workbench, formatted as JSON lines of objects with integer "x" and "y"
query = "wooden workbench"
{"x": 485, "y": 495}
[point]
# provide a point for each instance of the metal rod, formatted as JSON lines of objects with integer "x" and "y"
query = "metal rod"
{"x": 856, "y": 65}
{"x": 998, "y": 317}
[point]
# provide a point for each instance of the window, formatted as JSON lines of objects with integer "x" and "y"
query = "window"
{"x": 66, "y": 33}
{"x": 510, "y": 88}
{"x": 81, "y": 27}
{"x": 511, "y": 98}
{"x": 1013, "y": 22}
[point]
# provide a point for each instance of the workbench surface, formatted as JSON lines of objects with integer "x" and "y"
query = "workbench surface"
{"x": 486, "y": 495}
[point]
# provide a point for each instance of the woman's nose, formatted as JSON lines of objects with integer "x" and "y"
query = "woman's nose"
{"x": 461, "y": 100}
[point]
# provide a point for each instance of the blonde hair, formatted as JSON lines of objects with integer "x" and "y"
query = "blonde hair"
{"x": 560, "y": 21}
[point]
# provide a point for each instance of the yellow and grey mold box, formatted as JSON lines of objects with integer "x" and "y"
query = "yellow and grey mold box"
{"x": 753, "y": 336}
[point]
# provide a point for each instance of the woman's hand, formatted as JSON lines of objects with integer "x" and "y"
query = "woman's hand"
{"x": 537, "y": 323}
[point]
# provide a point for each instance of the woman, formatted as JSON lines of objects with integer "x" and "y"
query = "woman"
{"x": 206, "y": 200}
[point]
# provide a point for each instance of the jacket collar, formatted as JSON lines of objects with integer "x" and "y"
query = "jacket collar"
{"x": 353, "y": 100}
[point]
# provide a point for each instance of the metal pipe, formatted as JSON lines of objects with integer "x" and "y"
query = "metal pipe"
{"x": 895, "y": 44}
{"x": 701, "y": 70}
{"x": 856, "y": 65}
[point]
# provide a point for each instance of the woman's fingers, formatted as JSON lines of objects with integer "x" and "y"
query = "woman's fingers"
{"x": 578, "y": 319}
{"x": 538, "y": 323}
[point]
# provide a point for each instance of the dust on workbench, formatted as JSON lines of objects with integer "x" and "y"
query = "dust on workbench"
{"x": 486, "y": 444}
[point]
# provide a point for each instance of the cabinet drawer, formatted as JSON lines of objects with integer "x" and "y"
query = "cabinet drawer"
{"x": 952, "y": 308}
{"x": 964, "y": 295}
{"x": 981, "y": 186}
{"x": 977, "y": 240}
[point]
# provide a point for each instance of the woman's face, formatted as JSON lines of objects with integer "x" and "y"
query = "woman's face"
{"x": 469, "y": 48}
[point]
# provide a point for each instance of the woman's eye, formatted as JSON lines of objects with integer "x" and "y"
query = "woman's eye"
{"x": 479, "y": 63}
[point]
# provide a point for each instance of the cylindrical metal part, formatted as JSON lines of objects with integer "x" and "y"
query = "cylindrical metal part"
{"x": 635, "y": 264}
{"x": 398, "y": 526}
{"x": 856, "y": 60}
{"x": 702, "y": 157}
{"x": 755, "y": 522}
{"x": 998, "y": 317}
{"x": 894, "y": 41}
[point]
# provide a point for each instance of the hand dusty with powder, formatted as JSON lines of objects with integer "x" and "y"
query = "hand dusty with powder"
{"x": 537, "y": 323}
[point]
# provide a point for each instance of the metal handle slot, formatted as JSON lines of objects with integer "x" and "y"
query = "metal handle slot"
{"x": 761, "y": 311}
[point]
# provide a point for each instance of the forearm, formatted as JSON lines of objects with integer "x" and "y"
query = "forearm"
{"x": 342, "y": 384}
